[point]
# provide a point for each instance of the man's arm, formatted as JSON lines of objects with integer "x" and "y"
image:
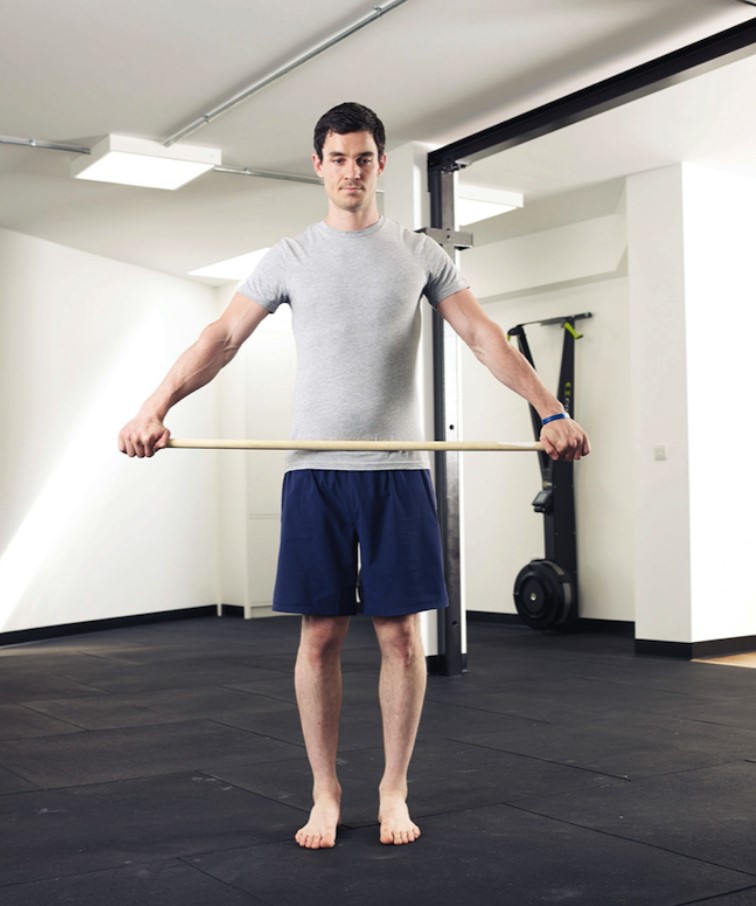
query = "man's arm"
{"x": 563, "y": 438}
{"x": 198, "y": 365}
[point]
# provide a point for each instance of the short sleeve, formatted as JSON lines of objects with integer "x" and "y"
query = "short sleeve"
{"x": 444, "y": 277}
{"x": 266, "y": 284}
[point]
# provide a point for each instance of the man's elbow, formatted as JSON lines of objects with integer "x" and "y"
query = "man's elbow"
{"x": 229, "y": 351}
{"x": 485, "y": 339}
{"x": 218, "y": 343}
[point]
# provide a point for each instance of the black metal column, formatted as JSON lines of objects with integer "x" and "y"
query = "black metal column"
{"x": 451, "y": 659}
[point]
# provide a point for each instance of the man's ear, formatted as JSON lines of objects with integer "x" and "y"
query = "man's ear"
{"x": 382, "y": 164}
{"x": 317, "y": 164}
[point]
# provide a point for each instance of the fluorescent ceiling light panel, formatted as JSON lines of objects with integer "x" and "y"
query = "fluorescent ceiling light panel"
{"x": 474, "y": 203}
{"x": 238, "y": 268}
{"x": 131, "y": 161}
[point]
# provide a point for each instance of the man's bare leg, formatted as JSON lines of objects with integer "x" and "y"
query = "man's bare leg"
{"x": 402, "y": 689}
{"x": 317, "y": 678}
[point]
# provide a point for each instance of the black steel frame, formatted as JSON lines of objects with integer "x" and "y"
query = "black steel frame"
{"x": 670, "y": 69}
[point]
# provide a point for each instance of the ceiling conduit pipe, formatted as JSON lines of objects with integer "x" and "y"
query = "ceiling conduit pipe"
{"x": 375, "y": 13}
{"x": 45, "y": 146}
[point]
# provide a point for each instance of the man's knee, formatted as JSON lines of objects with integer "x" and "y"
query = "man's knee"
{"x": 399, "y": 637}
{"x": 322, "y": 637}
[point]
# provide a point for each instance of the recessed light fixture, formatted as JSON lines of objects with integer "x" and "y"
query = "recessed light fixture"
{"x": 134, "y": 161}
{"x": 474, "y": 203}
{"x": 232, "y": 269}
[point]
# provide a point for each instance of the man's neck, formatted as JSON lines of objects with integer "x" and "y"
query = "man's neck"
{"x": 351, "y": 220}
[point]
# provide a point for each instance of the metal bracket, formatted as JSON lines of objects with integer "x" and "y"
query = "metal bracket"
{"x": 449, "y": 238}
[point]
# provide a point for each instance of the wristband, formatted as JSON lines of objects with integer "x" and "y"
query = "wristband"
{"x": 553, "y": 418}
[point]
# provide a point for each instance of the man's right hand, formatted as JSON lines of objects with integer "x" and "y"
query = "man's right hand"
{"x": 143, "y": 436}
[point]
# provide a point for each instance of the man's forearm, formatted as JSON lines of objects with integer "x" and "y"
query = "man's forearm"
{"x": 562, "y": 438}
{"x": 490, "y": 345}
{"x": 194, "y": 368}
{"x": 513, "y": 370}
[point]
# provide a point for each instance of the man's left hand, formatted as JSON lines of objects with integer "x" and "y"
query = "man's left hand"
{"x": 565, "y": 440}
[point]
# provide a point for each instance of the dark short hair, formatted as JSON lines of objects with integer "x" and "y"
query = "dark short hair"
{"x": 346, "y": 118}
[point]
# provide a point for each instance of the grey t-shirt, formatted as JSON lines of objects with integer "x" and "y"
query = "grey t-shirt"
{"x": 355, "y": 301}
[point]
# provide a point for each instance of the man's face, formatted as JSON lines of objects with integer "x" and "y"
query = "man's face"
{"x": 350, "y": 169}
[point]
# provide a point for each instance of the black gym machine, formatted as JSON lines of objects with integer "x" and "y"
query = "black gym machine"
{"x": 546, "y": 590}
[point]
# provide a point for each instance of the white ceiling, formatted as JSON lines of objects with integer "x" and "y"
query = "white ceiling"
{"x": 434, "y": 70}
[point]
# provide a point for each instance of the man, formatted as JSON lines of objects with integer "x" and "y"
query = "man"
{"x": 354, "y": 283}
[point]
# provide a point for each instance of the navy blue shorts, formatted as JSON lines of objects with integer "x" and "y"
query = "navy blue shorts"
{"x": 390, "y": 515}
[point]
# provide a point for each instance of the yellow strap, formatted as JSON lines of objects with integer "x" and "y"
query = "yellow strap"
{"x": 570, "y": 329}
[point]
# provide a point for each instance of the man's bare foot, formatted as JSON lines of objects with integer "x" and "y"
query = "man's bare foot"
{"x": 397, "y": 827}
{"x": 320, "y": 830}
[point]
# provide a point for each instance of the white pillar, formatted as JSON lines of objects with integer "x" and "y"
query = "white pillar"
{"x": 719, "y": 217}
{"x": 658, "y": 424}
{"x": 691, "y": 271}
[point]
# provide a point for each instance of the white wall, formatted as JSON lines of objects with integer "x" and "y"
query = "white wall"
{"x": 719, "y": 217}
{"x": 86, "y": 533}
{"x": 566, "y": 270}
{"x": 663, "y": 381}
{"x": 692, "y": 273}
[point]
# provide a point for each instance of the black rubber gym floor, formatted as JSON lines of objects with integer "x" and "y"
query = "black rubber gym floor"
{"x": 163, "y": 765}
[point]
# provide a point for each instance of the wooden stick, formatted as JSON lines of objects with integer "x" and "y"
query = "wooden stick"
{"x": 353, "y": 445}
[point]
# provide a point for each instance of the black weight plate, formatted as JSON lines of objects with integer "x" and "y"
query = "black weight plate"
{"x": 543, "y": 594}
